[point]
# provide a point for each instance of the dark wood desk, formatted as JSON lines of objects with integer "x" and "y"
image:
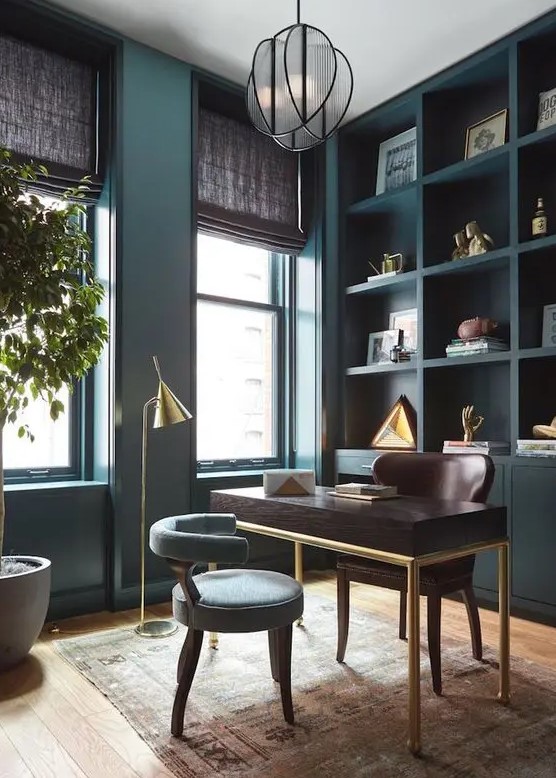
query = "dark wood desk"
{"x": 407, "y": 531}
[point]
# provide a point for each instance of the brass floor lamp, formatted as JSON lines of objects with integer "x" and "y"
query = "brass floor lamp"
{"x": 169, "y": 410}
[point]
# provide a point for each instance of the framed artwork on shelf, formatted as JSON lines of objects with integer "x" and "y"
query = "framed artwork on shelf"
{"x": 406, "y": 321}
{"x": 549, "y": 325}
{"x": 486, "y": 135}
{"x": 381, "y": 345}
{"x": 397, "y": 161}
{"x": 547, "y": 109}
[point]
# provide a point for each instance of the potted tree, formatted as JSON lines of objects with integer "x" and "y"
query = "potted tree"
{"x": 50, "y": 335}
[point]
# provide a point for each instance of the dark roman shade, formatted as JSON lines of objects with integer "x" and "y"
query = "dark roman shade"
{"x": 247, "y": 185}
{"x": 48, "y": 112}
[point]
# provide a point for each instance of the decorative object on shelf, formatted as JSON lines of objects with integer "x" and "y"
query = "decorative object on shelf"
{"x": 462, "y": 245}
{"x": 539, "y": 222}
{"x": 475, "y": 328}
{"x": 400, "y": 354}
{"x": 479, "y": 241}
{"x": 406, "y": 321}
{"x": 549, "y": 325}
{"x": 486, "y": 135}
{"x": 391, "y": 265}
{"x": 168, "y": 410}
{"x": 547, "y": 109}
{"x": 381, "y": 344}
{"x": 289, "y": 482}
{"x": 299, "y": 87}
{"x": 398, "y": 430}
{"x": 471, "y": 422}
{"x": 397, "y": 161}
{"x": 545, "y": 430}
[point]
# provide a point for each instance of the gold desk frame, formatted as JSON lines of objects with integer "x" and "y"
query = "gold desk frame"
{"x": 413, "y": 565}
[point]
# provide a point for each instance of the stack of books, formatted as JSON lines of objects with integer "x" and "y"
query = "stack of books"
{"x": 538, "y": 447}
{"x": 494, "y": 447}
{"x": 482, "y": 345}
{"x": 365, "y": 491}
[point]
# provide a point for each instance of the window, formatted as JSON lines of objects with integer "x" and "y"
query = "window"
{"x": 240, "y": 353}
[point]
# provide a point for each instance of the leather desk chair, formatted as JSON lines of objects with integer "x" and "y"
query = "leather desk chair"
{"x": 466, "y": 477}
{"x": 224, "y": 600}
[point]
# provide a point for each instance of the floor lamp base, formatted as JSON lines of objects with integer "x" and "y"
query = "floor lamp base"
{"x": 156, "y": 629}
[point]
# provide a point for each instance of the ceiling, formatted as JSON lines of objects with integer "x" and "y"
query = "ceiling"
{"x": 391, "y": 45}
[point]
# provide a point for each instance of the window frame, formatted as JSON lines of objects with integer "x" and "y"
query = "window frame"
{"x": 278, "y": 296}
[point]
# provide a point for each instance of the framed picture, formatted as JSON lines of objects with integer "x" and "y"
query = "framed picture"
{"x": 397, "y": 158}
{"x": 549, "y": 325}
{"x": 381, "y": 344}
{"x": 486, "y": 135}
{"x": 407, "y": 322}
{"x": 547, "y": 109}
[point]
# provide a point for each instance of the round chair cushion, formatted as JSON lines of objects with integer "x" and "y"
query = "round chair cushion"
{"x": 241, "y": 601}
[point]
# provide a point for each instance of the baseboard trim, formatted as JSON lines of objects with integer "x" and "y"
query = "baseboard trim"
{"x": 63, "y": 605}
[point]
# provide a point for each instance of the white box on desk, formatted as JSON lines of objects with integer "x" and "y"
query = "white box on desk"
{"x": 288, "y": 482}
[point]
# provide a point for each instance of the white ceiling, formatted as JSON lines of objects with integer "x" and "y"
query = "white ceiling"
{"x": 390, "y": 44}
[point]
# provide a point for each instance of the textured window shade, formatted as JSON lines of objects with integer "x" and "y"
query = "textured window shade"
{"x": 48, "y": 110}
{"x": 247, "y": 185}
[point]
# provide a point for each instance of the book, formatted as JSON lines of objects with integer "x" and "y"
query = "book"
{"x": 536, "y": 453}
{"x": 463, "y": 450}
{"x": 479, "y": 443}
{"x": 374, "y": 490}
{"x": 537, "y": 444}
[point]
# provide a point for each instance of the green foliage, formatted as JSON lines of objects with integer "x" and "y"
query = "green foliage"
{"x": 50, "y": 333}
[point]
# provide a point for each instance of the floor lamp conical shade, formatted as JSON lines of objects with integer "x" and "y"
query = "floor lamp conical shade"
{"x": 168, "y": 410}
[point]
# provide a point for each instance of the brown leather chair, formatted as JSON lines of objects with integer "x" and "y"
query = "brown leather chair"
{"x": 465, "y": 477}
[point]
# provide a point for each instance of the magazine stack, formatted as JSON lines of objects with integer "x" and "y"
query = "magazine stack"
{"x": 538, "y": 447}
{"x": 481, "y": 345}
{"x": 491, "y": 447}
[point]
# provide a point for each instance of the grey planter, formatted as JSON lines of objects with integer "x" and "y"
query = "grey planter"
{"x": 24, "y": 601}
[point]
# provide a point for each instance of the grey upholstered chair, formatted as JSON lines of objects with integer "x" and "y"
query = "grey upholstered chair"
{"x": 227, "y": 600}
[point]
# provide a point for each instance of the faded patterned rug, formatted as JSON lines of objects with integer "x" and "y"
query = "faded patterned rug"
{"x": 351, "y": 718}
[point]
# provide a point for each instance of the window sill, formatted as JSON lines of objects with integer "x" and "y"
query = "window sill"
{"x": 32, "y": 486}
{"x": 220, "y": 474}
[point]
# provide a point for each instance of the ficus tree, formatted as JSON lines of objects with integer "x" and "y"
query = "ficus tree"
{"x": 50, "y": 332}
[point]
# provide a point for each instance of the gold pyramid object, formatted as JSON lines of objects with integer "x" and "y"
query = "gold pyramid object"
{"x": 397, "y": 431}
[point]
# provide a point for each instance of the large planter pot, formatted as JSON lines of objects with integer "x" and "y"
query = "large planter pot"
{"x": 24, "y": 601}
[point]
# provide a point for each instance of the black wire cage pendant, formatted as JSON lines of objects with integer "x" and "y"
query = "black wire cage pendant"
{"x": 299, "y": 87}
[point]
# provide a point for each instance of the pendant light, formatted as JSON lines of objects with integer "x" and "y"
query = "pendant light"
{"x": 299, "y": 87}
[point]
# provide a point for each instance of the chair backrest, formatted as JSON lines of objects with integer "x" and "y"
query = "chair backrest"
{"x": 465, "y": 477}
{"x": 199, "y": 537}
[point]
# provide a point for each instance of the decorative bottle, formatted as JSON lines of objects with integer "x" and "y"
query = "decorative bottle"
{"x": 539, "y": 225}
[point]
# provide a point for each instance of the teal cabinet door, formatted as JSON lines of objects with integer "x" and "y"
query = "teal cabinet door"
{"x": 486, "y": 564}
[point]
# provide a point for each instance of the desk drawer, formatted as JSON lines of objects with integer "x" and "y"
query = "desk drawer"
{"x": 355, "y": 461}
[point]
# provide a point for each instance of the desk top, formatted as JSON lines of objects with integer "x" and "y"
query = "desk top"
{"x": 411, "y": 526}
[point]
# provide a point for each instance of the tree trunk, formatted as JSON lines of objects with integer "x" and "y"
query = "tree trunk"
{"x": 2, "y": 507}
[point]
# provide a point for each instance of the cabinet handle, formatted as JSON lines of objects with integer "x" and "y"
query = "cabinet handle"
{"x": 367, "y": 467}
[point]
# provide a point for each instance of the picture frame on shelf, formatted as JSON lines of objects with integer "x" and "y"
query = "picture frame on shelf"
{"x": 488, "y": 134}
{"x": 549, "y": 326}
{"x": 547, "y": 109}
{"x": 380, "y": 346}
{"x": 406, "y": 321}
{"x": 397, "y": 161}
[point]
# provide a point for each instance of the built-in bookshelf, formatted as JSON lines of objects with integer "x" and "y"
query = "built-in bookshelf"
{"x": 511, "y": 283}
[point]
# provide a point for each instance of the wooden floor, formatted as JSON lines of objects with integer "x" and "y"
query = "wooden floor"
{"x": 54, "y": 724}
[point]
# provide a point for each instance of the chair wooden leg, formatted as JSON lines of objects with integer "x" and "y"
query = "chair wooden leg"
{"x": 342, "y": 610}
{"x": 434, "y": 609}
{"x": 192, "y": 649}
{"x": 402, "y": 630}
{"x": 273, "y": 651}
{"x": 474, "y": 622}
{"x": 284, "y": 659}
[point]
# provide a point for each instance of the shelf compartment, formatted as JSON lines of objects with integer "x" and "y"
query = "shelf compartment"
{"x": 535, "y": 353}
{"x": 485, "y": 384}
{"x": 468, "y": 169}
{"x": 458, "y": 101}
{"x": 450, "y": 205}
{"x": 536, "y": 73}
{"x": 472, "y": 359}
{"x": 536, "y": 400}
{"x": 395, "y": 200}
{"x": 537, "y": 178}
{"x": 492, "y": 259}
{"x": 537, "y": 244}
{"x": 450, "y": 298}
{"x": 383, "y": 367}
{"x": 384, "y": 285}
{"x": 547, "y": 133}
{"x": 364, "y": 314}
{"x": 537, "y": 288}
{"x": 369, "y": 398}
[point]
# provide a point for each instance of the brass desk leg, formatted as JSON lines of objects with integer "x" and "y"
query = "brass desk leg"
{"x": 504, "y": 615}
{"x": 213, "y": 636}
{"x": 414, "y": 659}
{"x": 298, "y": 549}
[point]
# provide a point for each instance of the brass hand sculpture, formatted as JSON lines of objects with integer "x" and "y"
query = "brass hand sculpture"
{"x": 471, "y": 422}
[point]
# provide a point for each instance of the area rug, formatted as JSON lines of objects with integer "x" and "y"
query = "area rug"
{"x": 350, "y": 719}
